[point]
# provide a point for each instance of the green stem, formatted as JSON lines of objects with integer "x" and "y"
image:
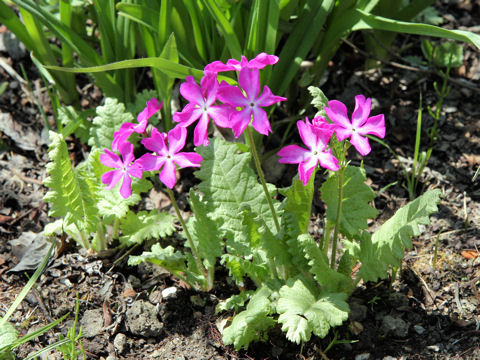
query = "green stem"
{"x": 102, "y": 243}
{"x": 337, "y": 221}
{"x": 116, "y": 226}
{"x": 262, "y": 178}
{"x": 187, "y": 233}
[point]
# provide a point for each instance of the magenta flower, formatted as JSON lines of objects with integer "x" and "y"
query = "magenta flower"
{"x": 168, "y": 155}
{"x": 259, "y": 62}
{"x": 125, "y": 168}
{"x": 201, "y": 107}
{"x": 360, "y": 125}
{"x": 128, "y": 128}
{"x": 251, "y": 102}
{"x": 316, "y": 138}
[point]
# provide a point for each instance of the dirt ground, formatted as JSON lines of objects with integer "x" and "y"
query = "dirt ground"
{"x": 430, "y": 312}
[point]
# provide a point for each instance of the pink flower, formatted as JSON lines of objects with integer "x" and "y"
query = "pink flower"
{"x": 125, "y": 168}
{"x": 201, "y": 107}
{"x": 316, "y": 138}
{"x": 251, "y": 102}
{"x": 259, "y": 62}
{"x": 128, "y": 129}
{"x": 168, "y": 155}
{"x": 360, "y": 125}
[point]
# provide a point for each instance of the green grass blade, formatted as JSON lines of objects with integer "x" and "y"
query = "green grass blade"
{"x": 10, "y": 19}
{"x": 225, "y": 28}
{"x": 47, "y": 348}
{"x": 28, "y": 286}
{"x": 299, "y": 43}
{"x": 141, "y": 14}
{"x": 168, "y": 67}
{"x": 369, "y": 21}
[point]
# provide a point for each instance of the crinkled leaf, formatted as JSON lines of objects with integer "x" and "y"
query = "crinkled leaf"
{"x": 252, "y": 323}
{"x": 238, "y": 267}
{"x": 72, "y": 194}
{"x": 145, "y": 225}
{"x": 205, "y": 232}
{"x": 8, "y": 336}
{"x": 74, "y": 123}
{"x": 303, "y": 311}
{"x": 173, "y": 261}
{"x": 387, "y": 245}
{"x": 234, "y": 302}
{"x": 355, "y": 201}
{"x": 319, "y": 100}
{"x": 109, "y": 118}
{"x": 229, "y": 183}
{"x": 329, "y": 279}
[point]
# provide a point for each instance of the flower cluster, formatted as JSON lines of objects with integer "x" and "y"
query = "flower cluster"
{"x": 227, "y": 105}
{"x": 317, "y": 134}
{"x": 234, "y": 107}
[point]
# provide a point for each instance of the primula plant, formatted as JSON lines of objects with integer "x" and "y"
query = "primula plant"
{"x": 299, "y": 282}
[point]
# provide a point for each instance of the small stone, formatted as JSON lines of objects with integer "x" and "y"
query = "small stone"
{"x": 110, "y": 357}
{"x": 398, "y": 300}
{"x": 389, "y": 358}
{"x": 358, "y": 312}
{"x": 356, "y": 328}
{"x": 92, "y": 323}
{"x": 119, "y": 342}
{"x": 394, "y": 326}
{"x": 435, "y": 348}
{"x": 169, "y": 292}
{"x": 419, "y": 329}
{"x": 363, "y": 356}
{"x": 134, "y": 281}
{"x": 142, "y": 319}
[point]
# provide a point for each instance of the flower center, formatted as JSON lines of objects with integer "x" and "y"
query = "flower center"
{"x": 252, "y": 104}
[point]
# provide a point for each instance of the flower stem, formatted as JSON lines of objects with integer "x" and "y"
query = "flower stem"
{"x": 198, "y": 262}
{"x": 337, "y": 221}
{"x": 262, "y": 178}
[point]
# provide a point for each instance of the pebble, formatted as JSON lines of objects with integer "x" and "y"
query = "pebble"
{"x": 395, "y": 326}
{"x": 169, "y": 292}
{"x": 92, "y": 323}
{"x": 419, "y": 329}
{"x": 363, "y": 356}
{"x": 119, "y": 342}
{"x": 142, "y": 319}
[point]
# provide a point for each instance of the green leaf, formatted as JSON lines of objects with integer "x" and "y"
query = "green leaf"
{"x": 8, "y": 336}
{"x": 72, "y": 193}
{"x": 319, "y": 100}
{"x": 369, "y": 21}
{"x": 444, "y": 54}
{"x": 303, "y": 311}
{"x": 229, "y": 184}
{"x": 252, "y": 323}
{"x": 109, "y": 118}
{"x": 238, "y": 267}
{"x": 234, "y": 302}
{"x": 387, "y": 245}
{"x": 205, "y": 232}
{"x": 74, "y": 123}
{"x": 169, "y": 258}
{"x": 145, "y": 225}
{"x": 328, "y": 279}
{"x": 355, "y": 201}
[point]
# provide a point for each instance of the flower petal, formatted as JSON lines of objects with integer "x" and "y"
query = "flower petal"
{"x": 152, "y": 107}
{"x": 337, "y": 112}
{"x": 111, "y": 159}
{"x": 221, "y": 115}
{"x": 361, "y": 143}
{"x": 362, "y": 111}
{"x": 374, "y": 125}
{"x": 189, "y": 114}
{"x": 111, "y": 178}
{"x": 305, "y": 170}
{"x": 262, "y": 60}
{"x": 187, "y": 159}
{"x": 218, "y": 66}
{"x": 126, "y": 188}
{"x": 292, "y": 154}
{"x": 231, "y": 95}
{"x": 126, "y": 149}
{"x": 328, "y": 161}
{"x": 156, "y": 142}
{"x": 200, "y": 135}
{"x": 169, "y": 174}
{"x": 260, "y": 121}
{"x": 342, "y": 133}
{"x": 135, "y": 170}
{"x": 267, "y": 98}
{"x": 176, "y": 139}
{"x": 307, "y": 134}
{"x": 240, "y": 120}
{"x": 150, "y": 162}
{"x": 191, "y": 91}
{"x": 249, "y": 81}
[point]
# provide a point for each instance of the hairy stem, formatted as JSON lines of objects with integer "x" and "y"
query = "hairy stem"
{"x": 198, "y": 262}
{"x": 337, "y": 221}
{"x": 262, "y": 177}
